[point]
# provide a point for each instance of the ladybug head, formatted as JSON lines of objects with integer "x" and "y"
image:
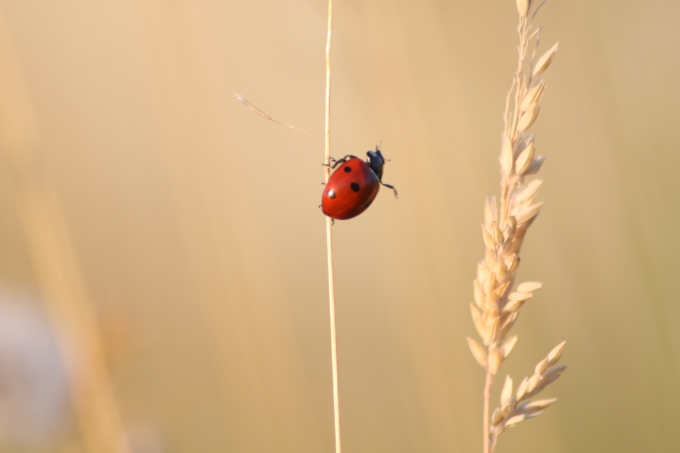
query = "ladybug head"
{"x": 376, "y": 162}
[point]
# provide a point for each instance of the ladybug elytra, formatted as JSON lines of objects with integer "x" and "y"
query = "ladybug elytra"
{"x": 353, "y": 186}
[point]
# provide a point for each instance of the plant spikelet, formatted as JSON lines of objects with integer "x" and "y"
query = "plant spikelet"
{"x": 497, "y": 301}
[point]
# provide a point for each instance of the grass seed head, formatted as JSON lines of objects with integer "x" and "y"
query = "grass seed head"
{"x": 496, "y": 305}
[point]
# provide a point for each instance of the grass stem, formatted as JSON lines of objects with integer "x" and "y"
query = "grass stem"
{"x": 487, "y": 402}
{"x": 329, "y": 236}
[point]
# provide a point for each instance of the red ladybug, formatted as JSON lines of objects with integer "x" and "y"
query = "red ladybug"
{"x": 353, "y": 186}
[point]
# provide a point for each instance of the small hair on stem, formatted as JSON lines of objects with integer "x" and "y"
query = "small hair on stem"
{"x": 258, "y": 111}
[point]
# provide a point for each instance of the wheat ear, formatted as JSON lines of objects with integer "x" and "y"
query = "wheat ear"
{"x": 496, "y": 300}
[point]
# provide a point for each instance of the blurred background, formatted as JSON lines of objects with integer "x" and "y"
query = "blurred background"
{"x": 162, "y": 258}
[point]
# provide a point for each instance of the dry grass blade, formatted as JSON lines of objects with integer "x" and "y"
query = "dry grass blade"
{"x": 256, "y": 110}
{"x": 506, "y": 220}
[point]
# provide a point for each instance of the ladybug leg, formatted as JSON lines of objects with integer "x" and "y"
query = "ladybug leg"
{"x": 396, "y": 195}
{"x": 336, "y": 162}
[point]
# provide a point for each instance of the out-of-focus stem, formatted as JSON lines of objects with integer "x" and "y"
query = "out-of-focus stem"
{"x": 55, "y": 263}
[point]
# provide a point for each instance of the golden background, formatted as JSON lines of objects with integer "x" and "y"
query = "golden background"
{"x": 155, "y": 213}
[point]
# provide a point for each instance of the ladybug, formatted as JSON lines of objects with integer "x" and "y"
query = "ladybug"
{"x": 353, "y": 186}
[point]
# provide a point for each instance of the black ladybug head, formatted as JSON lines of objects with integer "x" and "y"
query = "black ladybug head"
{"x": 376, "y": 162}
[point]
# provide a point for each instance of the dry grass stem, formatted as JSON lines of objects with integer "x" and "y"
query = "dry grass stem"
{"x": 329, "y": 221}
{"x": 497, "y": 300}
{"x": 329, "y": 237}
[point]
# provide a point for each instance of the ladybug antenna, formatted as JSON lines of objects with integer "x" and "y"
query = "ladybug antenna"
{"x": 377, "y": 150}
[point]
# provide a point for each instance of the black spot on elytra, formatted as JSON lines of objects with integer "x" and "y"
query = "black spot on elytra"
{"x": 348, "y": 169}
{"x": 355, "y": 187}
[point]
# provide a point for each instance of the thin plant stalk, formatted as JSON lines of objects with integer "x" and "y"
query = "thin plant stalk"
{"x": 329, "y": 236}
{"x": 329, "y": 221}
{"x": 487, "y": 401}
